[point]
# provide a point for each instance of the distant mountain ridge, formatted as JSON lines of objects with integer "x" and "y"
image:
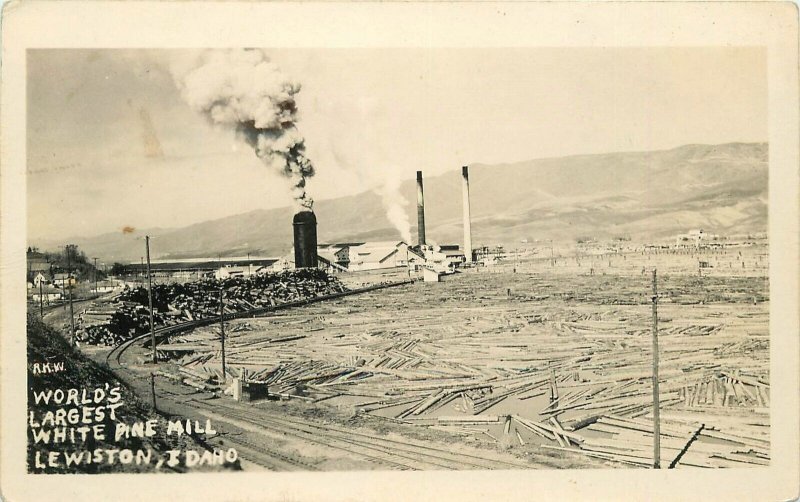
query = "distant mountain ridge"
{"x": 644, "y": 195}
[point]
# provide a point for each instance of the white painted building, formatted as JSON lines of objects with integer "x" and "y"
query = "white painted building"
{"x": 49, "y": 294}
{"x": 40, "y": 279}
{"x": 443, "y": 258}
{"x": 378, "y": 255}
{"x": 64, "y": 280}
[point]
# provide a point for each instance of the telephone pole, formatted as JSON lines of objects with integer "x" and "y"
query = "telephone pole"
{"x": 95, "y": 275}
{"x": 656, "y": 404}
{"x": 41, "y": 302}
{"x": 68, "y": 249}
{"x": 222, "y": 331}
{"x": 150, "y": 298}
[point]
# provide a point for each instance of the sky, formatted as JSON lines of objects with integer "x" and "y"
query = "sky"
{"x": 113, "y": 144}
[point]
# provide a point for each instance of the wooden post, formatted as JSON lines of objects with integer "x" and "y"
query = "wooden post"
{"x": 222, "y": 332}
{"x": 656, "y": 405}
{"x": 95, "y": 275}
{"x": 150, "y": 298}
{"x": 41, "y": 302}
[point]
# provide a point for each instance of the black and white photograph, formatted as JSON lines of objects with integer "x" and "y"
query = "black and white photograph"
{"x": 269, "y": 258}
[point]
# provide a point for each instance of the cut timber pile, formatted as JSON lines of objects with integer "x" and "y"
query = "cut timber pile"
{"x": 128, "y": 316}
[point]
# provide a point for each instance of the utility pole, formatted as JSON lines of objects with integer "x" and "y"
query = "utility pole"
{"x": 150, "y": 298}
{"x": 68, "y": 249}
{"x": 222, "y": 331}
{"x": 95, "y": 275}
{"x": 153, "y": 390}
{"x": 553, "y": 384}
{"x": 41, "y": 304}
{"x": 656, "y": 405}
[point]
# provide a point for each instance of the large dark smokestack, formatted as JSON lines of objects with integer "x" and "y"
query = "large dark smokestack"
{"x": 305, "y": 239}
{"x": 467, "y": 223}
{"x": 420, "y": 210}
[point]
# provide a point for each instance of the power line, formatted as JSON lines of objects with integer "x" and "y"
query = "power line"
{"x": 656, "y": 404}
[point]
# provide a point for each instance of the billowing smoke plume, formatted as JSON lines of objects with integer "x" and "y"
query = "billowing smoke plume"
{"x": 243, "y": 90}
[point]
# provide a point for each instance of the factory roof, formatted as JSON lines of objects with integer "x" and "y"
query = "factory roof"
{"x": 327, "y": 253}
{"x": 204, "y": 263}
{"x": 451, "y": 252}
{"x": 375, "y": 252}
{"x": 340, "y": 245}
{"x": 217, "y": 259}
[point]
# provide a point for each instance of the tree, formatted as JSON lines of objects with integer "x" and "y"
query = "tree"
{"x": 119, "y": 269}
{"x": 72, "y": 259}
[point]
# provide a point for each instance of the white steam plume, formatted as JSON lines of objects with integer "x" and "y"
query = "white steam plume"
{"x": 243, "y": 90}
{"x": 374, "y": 167}
{"x": 394, "y": 204}
{"x": 386, "y": 182}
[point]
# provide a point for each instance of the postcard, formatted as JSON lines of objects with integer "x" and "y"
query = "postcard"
{"x": 400, "y": 251}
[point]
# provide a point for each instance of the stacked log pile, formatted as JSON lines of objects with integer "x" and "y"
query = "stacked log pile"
{"x": 128, "y": 315}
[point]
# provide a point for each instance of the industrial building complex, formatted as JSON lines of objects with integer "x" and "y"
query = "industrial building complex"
{"x": 534, "y": 351}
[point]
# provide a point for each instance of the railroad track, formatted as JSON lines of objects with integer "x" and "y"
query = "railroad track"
{"x": 408, "y": 454}
{"x": 276, "y": 460}
{"x": 260, "y": 450}
{"x": 256, "y": 425}
{"x": 115, "y": 355}
{"x": 260, "y": 454}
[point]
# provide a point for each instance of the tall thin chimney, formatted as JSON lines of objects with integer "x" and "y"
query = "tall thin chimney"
{"x": 420, "y": 210}
{"x": 467, "y": 226}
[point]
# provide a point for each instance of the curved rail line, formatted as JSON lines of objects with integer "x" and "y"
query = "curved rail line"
{"x": 387, "y": 451}
{"x": 165, "y": 331}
